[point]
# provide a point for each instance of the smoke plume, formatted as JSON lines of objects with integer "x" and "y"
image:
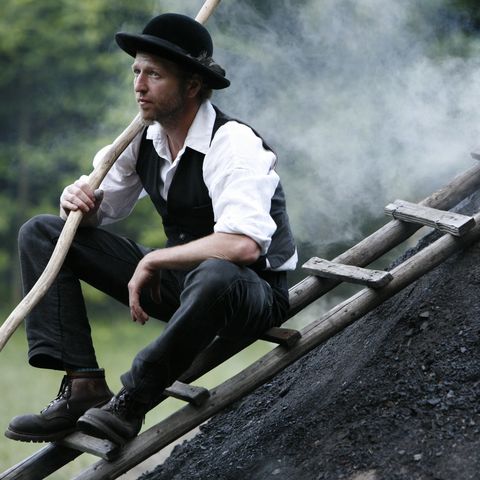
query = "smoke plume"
{"x": 359, "y": 99}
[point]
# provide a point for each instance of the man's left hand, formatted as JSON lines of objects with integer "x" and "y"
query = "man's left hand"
{"x": 143, "y": 276}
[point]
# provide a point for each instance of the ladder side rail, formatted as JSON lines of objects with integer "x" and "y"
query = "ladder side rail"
{"x": 42, "y": 463}
{"x": 328, "y": 325}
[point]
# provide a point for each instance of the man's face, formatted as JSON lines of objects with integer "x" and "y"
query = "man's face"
{"x": 158, "y": 89}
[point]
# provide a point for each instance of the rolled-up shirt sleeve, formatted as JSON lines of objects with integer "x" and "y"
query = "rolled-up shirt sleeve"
{"x": 121, "y": 186}
{"x": 239, "y": 174}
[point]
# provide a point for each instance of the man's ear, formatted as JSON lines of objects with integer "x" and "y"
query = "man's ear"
{"x": 194, "y": 85}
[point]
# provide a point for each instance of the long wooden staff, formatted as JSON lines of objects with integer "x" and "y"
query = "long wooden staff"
{"x": 74, "y": 218}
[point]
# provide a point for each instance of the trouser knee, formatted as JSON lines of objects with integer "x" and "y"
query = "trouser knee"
{"x": 37, "y": 228}
{"x": 213, "y": 275}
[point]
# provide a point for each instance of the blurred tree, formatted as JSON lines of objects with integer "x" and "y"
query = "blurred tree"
{"x": 64, "y": 85}
{"x": 466, "y": 14}
{"x": 453, "y": 25}
{"x": 61, "y": 73}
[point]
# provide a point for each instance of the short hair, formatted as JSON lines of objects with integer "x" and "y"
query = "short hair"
{"x": 185, "y": 75}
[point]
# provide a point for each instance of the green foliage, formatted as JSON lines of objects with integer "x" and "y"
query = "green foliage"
{"x": 453, "y": 26}
{"x": 60, "y": 63}
{"x": 466, "y": 13}
{"x": 65, "y": 90}
{"x": 61, "y": 74}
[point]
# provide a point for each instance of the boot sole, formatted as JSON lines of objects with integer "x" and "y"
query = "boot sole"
{"x": 47, "y": 438}
{"x": 28, "y": 437}
{"x": 92, "y": 426}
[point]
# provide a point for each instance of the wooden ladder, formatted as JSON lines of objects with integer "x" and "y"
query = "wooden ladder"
{"x": 443, "y": 221}
{"x": 292, "y": 345}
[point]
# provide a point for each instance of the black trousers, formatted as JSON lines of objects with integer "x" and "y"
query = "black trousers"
{"x": 215, "y": 297}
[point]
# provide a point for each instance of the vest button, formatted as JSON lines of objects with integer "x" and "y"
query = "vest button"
{"x": 182, "y": 236}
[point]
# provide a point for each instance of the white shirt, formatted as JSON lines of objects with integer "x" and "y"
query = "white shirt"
{"x": 238, "y": 173}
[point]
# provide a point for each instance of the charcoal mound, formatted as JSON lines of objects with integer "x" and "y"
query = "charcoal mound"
{"x": 395, "y": 396}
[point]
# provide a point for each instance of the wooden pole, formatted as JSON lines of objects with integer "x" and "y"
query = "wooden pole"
{"x": 74, "y": 218}
{"x": 206, "y": 10}
{"x": 66, "y": 237}
{"x": 329, "y": 324}
{"x": 42, "y": 463}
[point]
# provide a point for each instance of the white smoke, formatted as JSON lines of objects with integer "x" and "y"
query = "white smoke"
{"x": 353, "y": 97}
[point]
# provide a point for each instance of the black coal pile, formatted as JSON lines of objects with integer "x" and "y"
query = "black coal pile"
{"x": 395, "y": 396}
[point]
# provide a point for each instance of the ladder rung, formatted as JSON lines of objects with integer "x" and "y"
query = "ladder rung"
{"x": 286, "y": 337}
{"x": 449, "y": 222}
{"x": 188, "y": 393}
{"x": 347, "y": 273}
{"x": 85, "y": 443}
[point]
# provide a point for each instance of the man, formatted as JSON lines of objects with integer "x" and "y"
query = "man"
{"x": 223, "y": 269}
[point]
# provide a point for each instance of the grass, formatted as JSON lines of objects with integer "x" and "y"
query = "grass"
{"x": 27, "y": 390}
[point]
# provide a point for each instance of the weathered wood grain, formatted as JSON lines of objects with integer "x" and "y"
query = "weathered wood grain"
{"x": 449, "y": 222}
{"x": 188, "y": 393}
{"x": 347, "y": 273}
{"x": 286, "y": 337}
{"x": 42, "y": 463}
{"x": 85, "y": 443}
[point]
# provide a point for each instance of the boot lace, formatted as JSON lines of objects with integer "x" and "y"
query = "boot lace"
{"x": 64, "y": 393}
{"x": 123, "y": 406}
{"x": 119, "y": 403}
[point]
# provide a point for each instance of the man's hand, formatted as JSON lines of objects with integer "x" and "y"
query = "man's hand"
{"x": 79, "y": 196}
{"x": 234, "y": 248}
{"x": 143, "y": 276}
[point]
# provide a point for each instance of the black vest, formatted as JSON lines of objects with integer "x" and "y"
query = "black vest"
{"x": 188, "y": 213}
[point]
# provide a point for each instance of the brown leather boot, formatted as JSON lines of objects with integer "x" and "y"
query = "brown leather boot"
{"x": 78, "y": 392}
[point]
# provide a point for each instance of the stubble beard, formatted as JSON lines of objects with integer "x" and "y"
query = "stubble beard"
{"x": 168, "y": 112}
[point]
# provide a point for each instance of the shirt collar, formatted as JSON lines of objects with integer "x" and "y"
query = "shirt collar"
{"x": 198, "y": 136}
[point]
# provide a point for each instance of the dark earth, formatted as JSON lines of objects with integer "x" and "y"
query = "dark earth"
{"x": 394, "y": 397}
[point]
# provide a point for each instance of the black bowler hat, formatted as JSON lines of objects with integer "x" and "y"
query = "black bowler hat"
{"x": 180, "y": 39}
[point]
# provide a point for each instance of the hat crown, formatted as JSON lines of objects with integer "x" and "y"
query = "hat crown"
{"x": 180, "y": 39}
{"x": 182, "y": 31}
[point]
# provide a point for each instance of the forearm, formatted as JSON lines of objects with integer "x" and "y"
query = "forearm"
{"x": 238, "y": 249}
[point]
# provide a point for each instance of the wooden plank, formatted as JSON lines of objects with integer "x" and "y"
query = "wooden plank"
{"x": 287, "y": 337}
{"x": 329, "y": 324}
{"x": 188, "y": 393}
{"x": 449, "y": 222}
{"x": 347, "y": 273}
{"x": 85, "y": 443}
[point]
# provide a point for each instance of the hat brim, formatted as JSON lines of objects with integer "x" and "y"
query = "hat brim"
{"x": 132, "y": 44}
